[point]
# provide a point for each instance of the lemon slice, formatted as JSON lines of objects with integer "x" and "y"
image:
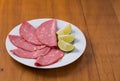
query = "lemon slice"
{"x": 65, "y": 46}
{"x": 66, "y": 38}
{"x": 66, "y": 30}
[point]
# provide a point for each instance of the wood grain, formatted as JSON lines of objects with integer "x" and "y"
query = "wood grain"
{"x": 98, "y": 19}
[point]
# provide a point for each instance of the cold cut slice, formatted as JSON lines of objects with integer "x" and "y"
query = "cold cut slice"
{"x": 53, "y": 56}
{"x": 21, "y": 43}
{"x": 30, "y": 55}
{"x": 27, "y": 31}
{"x": 46, "y": 33}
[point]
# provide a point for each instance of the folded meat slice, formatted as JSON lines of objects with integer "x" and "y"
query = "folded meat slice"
{"x": 53, "y": 56}
{"x": 27, "y": 31}
{"x": 18, "y": 41}
{"x": 46, "y": 33}
{"x": 30, "y": 55}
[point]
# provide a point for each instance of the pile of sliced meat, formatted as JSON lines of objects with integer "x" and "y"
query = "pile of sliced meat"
{"x": 39, "y": 44}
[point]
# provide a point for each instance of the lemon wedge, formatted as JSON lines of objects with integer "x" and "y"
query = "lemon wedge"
{"x": 66, "y": 30}
{"x": 65, "y": 46}
{"x": 67, "y": 38}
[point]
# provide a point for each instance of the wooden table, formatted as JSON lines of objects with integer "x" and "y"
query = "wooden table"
{"x": 98, "y": 19}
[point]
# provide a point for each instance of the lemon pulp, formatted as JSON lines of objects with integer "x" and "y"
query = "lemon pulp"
{"x": 66, "y": 30}
{"x": 65, "y": 46}
{"x": 67, "y": 38}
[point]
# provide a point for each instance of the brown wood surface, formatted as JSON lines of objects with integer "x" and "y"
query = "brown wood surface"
{"x": 98, "y": 19}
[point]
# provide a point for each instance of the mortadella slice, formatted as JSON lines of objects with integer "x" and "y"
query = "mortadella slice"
{"x": 27, "y": 31}
{"x": 30, "y": 55}
{"x": 53, "y": 56}
{"x": 46, "y": 33}
{"x": 18, "y": 41}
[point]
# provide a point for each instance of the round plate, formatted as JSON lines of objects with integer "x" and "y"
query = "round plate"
{"x": 79, "y": 43}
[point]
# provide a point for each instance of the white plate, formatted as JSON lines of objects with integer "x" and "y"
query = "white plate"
{"x": 79, "y": 43}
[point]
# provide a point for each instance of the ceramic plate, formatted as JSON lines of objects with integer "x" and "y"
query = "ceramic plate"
{"x": 79, "y": 43}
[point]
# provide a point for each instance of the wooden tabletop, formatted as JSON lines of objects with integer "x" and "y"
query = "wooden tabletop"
{"x": 99, "y": 20}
